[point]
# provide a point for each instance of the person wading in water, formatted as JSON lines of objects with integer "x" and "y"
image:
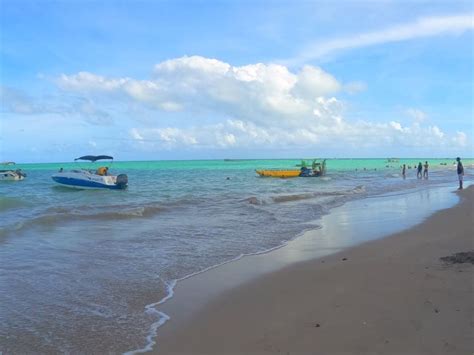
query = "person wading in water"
{"x": 460, "y": 171}
{"x": 418, "y": 171}
{"x": 425, "y": 170}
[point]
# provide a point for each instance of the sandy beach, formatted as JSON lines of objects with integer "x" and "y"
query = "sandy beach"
{"x": 389, "y": 296}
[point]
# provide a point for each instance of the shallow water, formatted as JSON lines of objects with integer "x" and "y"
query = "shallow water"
{"x": 74, "y": 261}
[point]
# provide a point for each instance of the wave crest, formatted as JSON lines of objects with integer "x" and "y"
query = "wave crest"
{"x": 56, "y": 215}
{"x": 254, "y": 200}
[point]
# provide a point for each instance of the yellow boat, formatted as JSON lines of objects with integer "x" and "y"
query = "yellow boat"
{"x": 318, "y": 168}
{"x": 286, "y": 173}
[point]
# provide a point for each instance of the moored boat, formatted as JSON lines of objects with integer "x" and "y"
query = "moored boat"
{"x": 280, "y": 173}
{"x": 318, "y": 168}
{"x": 12, "y": 175}
{"x": 91, "y": 179}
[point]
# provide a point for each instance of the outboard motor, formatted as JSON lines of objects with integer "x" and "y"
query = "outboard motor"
{"x": 305, "y": 172}
{"x": 122, "y": 181}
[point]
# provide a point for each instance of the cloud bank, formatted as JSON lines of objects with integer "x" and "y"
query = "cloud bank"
{"x": 256, "y": 92}
{"x": 252, "y": 106}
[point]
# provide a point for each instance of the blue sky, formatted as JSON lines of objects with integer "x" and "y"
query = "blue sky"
{"x": 235, "y": 79}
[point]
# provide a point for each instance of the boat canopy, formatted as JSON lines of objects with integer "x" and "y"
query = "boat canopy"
{"x": 94, "y": 157}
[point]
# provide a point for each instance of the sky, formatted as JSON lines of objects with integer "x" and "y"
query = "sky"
{"x": 157, "y": 80}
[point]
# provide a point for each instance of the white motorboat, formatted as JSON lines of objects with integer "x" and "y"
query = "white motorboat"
{"x": 91, "y": 179}
{"x": 12, "y": 175}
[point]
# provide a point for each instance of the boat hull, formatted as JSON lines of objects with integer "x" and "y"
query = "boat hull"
{"x": 318, "y": 168}
{"x": 86, "y": 180}
{"x": 290, "y": 173}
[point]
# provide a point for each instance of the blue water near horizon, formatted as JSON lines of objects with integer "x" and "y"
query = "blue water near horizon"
{"x": 75, "y": 263}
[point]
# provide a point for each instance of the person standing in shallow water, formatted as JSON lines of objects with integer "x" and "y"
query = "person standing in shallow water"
{"x": 425, "y": 170}
{"x": 460, "y": 171}
{"x": 404, "y": 171}
{"x": 418, "y": 171}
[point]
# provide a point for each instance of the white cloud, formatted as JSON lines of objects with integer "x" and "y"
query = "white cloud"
{"x": 252, "y": 106}
{"x": 260, "y": 92}
{"x": 396, "y": 126}
{"x": 84, "y": 81}
{"x": 423, "y": 27}
{"x": 314, "y": 82}
{"x": 135, "y": 134}
{"x": 226, "y": 140}
{"x": 460, "y": 139}
{"x": 436, "y": 132}
{"x": 192, "y": 65}
{"x": 176, "y": 135}
{"x": 417, "y": 115}
{"x": 236, "y": 133}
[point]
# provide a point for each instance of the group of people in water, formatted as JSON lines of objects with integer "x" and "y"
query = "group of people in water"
{"x": 422, "y": 171}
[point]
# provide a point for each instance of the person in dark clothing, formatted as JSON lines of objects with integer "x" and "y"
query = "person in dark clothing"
{"x": 419, "y": 170}
{"x": 460, "y": 171}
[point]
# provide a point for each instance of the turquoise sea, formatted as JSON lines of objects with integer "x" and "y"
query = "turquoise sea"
{"x": 76, "y": 263}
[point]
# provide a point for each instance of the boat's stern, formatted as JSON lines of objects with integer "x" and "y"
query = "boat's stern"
{"x": 122, "y": 181}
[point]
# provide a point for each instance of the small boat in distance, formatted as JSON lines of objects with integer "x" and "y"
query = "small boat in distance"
{"x": 318, "y": 168}
{"x": 98, "y": 178}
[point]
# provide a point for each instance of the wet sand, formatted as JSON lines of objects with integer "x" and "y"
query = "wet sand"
{"x": 389, "y": 296}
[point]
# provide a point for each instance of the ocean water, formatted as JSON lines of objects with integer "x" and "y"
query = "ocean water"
{"x": 79, "y": 267}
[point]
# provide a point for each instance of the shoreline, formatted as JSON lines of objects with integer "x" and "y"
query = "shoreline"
{"x": 193, "y": 294}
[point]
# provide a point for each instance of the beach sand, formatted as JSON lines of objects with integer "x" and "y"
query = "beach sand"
{"x": 389, "y": 296}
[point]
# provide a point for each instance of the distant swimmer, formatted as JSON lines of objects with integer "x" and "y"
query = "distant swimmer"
{"x": 460, "y": 171}
{"x": 419, "y": 170}
{"x": 404, "y": 171}
{"x": 425, "y": 170}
